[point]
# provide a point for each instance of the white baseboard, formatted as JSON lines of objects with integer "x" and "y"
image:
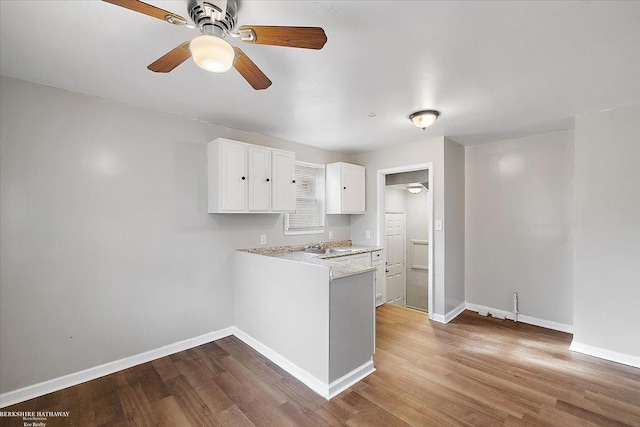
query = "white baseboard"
{"x": 450, "y": 315}
{"x": 438, "y": 318}
{"x": 306, "y": 378}
{"x": 522, "y": 318}
{"x": 614, "y": 356}
{"x": 454, "y": 313}
{"x": 346, "y": 381}
{"x": 322, "y": 388}
{"x": 46, "y": 387}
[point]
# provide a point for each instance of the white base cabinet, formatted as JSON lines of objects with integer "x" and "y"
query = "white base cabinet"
{"x": 363, "y": 260}
{"x": 373, "y": 259}
{"x": 329, "y": 348}
{"x": 345, "y": 188}
{"x": 377, "y": 261}
{"x": 246, "y": 178}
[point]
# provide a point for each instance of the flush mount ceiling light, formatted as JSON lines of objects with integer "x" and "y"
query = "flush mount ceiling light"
{"x": 415, "y": 188}
{"x": 212, "y": 53}
{"x": 424, "y": 119}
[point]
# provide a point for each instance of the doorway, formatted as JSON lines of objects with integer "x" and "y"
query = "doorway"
{"x": 405, "y": 230}
{"x": 395, "y": 241}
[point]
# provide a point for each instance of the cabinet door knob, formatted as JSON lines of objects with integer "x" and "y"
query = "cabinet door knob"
{"x": 243, "y": 178}
{"x": 344, "y": 188}
{"x": 294, "y": 181}
{"x": 267, "y": 179}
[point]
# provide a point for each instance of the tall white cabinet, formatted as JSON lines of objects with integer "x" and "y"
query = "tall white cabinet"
{"x": 246, "y": 178}
{"x": 284, "y": 181}
{"x": 259, "y": 178}
{"x": 345, "y": 188}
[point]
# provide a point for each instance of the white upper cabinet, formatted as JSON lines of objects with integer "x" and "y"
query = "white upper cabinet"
{"x": 259, "y": 178}
{"x": 232, "y": 176}
{"x": 250, "y": 178}
{"x": 283, "y": 187}
{"x": 345, "y": 186}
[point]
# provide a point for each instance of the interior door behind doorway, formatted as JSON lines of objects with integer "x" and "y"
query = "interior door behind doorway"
{"x": 394, "y": 245}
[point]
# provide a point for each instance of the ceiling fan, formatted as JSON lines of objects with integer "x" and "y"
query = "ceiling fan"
{"x": 210, "y": 51}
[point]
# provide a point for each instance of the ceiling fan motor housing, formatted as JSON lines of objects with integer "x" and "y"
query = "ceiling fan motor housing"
{"x": 206, "y": 15}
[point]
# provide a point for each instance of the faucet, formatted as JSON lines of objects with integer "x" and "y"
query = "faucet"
{"x": 315, "y": 246}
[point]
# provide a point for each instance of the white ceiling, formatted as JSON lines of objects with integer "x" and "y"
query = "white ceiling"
{"x": 495, "y": 70}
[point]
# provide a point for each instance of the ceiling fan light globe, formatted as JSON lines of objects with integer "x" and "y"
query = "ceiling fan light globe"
{"x": 211, "y": 53}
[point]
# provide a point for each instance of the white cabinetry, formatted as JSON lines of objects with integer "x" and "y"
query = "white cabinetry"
{"x": 250, "y": 178}
{"x": 363, "y": 260}
{"x": 345, "y": 186}
{"x": 283, "y": 187}
{"x": 377, "y": 261}
{"x": 259, "y": 178}
{"x": 231, "y": 175}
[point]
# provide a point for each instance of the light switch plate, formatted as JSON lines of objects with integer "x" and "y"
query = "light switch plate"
{"x": 330, "y": 235}
{"x": 438, "y": 225}
{"x": 263, "y": 239}
{"x": 368, "y": 234}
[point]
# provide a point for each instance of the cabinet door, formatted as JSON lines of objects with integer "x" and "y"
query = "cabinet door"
{"x": 233, "y": 176}
{"x": 353, "y": 188}
{"x": 363, "y": 260}
{"x": 342, "y": 260}
{"x": 259, "y": 178}
{"x": 379, "y": 265}
{"x": 283, "y": 197}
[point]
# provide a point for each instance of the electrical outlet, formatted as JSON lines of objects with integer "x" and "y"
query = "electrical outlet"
{"x": 330, "y": 235}
{"x": 263, "y": 239}
{"x": 368, "y": 234}
{"x": 438, "y": 225}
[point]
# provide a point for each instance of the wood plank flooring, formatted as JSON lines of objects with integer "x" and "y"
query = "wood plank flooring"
{"x": 474, "y": 371}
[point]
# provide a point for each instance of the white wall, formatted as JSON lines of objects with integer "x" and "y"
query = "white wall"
{"x": 519, "y": 225}
{"x": 454, "y": 220}
{"x": 430, "y": 150}
{"x": 607, "y": 235}
{"x": 107, "y": 249}
{"x": 269, "y": 303}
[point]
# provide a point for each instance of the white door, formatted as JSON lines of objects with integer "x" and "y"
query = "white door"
{"x": 259, "y": 179}
{"x": 233, "y": 176}
{"x": 284, "y": 181}
{"x": 395, "y": 246}
{"x": 353, "y": 187}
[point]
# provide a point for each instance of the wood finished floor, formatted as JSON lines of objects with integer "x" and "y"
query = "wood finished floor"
{"x": 474, "y": 371}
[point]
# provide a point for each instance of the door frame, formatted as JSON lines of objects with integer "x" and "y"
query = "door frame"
{"x": 381, "y": 174}
{"x": 404, "y": 257}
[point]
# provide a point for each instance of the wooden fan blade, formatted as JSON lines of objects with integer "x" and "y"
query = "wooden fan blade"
{"x": 147, "y": 9}
{"x": 304, "y": 37}
{"x": 171, "y": 59}
{"x": 250, "y": 71}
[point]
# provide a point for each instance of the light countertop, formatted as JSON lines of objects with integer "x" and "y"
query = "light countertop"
{"x": 337, "y": 270}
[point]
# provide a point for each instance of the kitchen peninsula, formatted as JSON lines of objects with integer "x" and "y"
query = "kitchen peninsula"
{"x": 309, "y": 314}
